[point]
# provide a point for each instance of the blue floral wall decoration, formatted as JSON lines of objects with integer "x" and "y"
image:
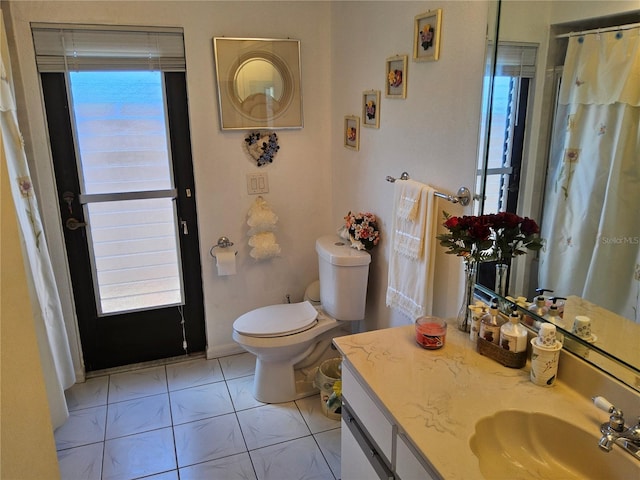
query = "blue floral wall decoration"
{"x": 262, "y": 147}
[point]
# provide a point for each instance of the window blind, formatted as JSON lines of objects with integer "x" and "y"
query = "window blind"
{"x": 64, "y": 47}
{"x": 516, "y": 59}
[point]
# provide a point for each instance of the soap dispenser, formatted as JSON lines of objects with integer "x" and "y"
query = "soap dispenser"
{"x": 553, "y": 315}
{"x": 538, "y": 307}
{"x": 513, "y": 336}
{"x": 489, "y": 325}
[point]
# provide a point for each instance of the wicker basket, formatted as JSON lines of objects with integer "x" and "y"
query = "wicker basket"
{"x": 500, "y": 355}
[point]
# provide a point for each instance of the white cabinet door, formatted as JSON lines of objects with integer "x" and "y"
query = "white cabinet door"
{"x": 377, "y": 425}
{"x": 355, "y": 464}
{"x": 408, "y": 464}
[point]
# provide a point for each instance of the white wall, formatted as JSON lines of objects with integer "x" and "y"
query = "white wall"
{"x": 314, "y": 180}
{"x": 432, "y": 134}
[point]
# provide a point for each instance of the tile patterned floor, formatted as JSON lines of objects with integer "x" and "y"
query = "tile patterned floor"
{"x": 193, "y": 420}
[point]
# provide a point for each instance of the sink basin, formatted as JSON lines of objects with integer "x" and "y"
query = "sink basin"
{"x": 513, "y": 444}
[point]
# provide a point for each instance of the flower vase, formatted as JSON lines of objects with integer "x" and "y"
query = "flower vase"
{"x": 502, "y": 270}
{"x": 464, "y": 316}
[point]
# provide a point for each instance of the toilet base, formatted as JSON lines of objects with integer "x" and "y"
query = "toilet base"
{"x": 279, "y": 383}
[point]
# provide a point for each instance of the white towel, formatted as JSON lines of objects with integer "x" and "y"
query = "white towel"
{"x": 410, "y": 281}
{"x": 409, "y": 219}
{"x": 407, "y": 201}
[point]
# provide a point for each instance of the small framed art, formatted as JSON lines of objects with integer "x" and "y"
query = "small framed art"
{"x": 396, "y": 82}
{"x": 371, "y": 108}
{"x": 352, "y": 132}
{"x": 426, "y": 36}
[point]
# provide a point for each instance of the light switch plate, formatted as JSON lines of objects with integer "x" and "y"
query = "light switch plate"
{"x": 257, "y": 183}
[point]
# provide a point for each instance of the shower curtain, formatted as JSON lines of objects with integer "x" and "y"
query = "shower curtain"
{"x": 55, "y": 355}
{"x": 591, "y": 218}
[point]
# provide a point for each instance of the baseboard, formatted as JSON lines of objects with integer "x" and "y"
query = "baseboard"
{"x": 224, "y": 350}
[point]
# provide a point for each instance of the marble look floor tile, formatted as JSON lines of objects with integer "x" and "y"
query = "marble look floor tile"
{"x": 235, "y": 467}
{"x": 196, "y": 403}
{"x": 271, "y": 424}
{"x": 82, "y": 428}
{"x": 296, "y": 459}
{"x": 137, "y": 416}
{"x": 240, "y": 365}
{"x": 208, "y": 439}
{"x": 193, "y": 373}
{"x": 92, "y": 393}
{"x": 172, "y": 475}
{"x": 241, "y": 390}
{"x": 330, "y": 444}
{"x": 139, "y": 455}
{"x": 311, "y": 410}
{"x": 137, "y": 384}
{"x": 81, "y": 463}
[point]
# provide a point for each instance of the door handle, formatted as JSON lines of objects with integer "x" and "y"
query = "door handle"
{"x": 74, "y": 224}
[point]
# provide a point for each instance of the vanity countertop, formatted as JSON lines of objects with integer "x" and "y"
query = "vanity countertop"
{"x": 437, "y": 396}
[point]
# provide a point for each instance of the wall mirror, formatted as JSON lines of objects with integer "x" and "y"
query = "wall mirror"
{"x": 259, "y": 83}
{"x": 522, "y": 85}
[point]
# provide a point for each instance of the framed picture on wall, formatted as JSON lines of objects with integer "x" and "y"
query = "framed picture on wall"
{"x": 371, "y": 108}
{"x": 352, "y": 132}
{"x": 426, "y": 36}
{"x": 396, "y": 81}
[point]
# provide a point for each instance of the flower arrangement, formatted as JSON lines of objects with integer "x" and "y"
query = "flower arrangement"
{"x": 262, "y": 146}
{"x": 395, "y": 78}
{"x": 469, "y": 237}
{"x": 513, "y": 235}
{"x": 363, "y": 230}
{"x": 484, "y": 238}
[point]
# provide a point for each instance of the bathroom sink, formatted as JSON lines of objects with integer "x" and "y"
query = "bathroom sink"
{"x": 513, "y": 444}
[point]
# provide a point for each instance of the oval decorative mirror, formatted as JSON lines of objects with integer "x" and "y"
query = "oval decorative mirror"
{"x": 258, "y": 83}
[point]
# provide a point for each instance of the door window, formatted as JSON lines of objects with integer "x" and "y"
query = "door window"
{"x": 121, "y": 130}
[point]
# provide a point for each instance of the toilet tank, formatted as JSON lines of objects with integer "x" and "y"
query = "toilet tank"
{"x": 344, "y": 273}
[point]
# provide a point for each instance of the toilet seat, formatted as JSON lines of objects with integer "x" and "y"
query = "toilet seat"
{"x": 277, "y": 320}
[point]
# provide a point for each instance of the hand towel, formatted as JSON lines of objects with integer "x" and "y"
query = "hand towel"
{"x": 409, "y": 218}
{"x": 408, "y": 193}
{"x": 410, "y": 280}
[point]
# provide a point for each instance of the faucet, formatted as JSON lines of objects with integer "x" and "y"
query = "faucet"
{"x": 615, "y": 432}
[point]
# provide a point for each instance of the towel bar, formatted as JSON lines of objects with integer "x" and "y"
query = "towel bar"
{"x": 462, "y": 196}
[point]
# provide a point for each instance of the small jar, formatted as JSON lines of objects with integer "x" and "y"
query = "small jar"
{"x": 431, "y": 332}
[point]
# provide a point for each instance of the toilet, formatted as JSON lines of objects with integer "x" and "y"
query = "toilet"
{"x": 291, "y": 337}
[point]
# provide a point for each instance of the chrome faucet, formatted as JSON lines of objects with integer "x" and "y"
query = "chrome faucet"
{"x": 615, "y": 431}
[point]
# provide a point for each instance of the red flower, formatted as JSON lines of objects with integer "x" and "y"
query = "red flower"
{"x": 479, "y": 231}
{"x": 529, "y": 227}
{"x": 452, "y": 223}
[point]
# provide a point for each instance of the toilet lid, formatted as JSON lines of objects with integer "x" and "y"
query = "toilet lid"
{"x": 277, "y": 320}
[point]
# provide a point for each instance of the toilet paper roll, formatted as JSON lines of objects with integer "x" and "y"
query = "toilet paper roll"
{"x": 226, "y": 262}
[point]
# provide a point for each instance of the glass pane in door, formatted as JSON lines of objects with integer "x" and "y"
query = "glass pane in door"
{"x": 136, "y": 265}
{"x": 121, "y": 131}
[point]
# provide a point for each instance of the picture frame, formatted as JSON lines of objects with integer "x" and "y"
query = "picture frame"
{"x": 371, "y": 108}
{"x": 352, "y": 132}
{"x": 396, "y": 77}
{"x": 259, "y": 83}
{"x": 426, "y": 36}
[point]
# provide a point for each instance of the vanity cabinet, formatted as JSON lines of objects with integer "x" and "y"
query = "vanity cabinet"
{"x": 409, "y": 463}
{"x": 372, "y": 446}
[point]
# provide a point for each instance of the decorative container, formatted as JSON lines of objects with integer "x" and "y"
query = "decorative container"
{"x": 502, "y": 271}
{"x": 464, "y": 315}
{"x": 500, "y": 355}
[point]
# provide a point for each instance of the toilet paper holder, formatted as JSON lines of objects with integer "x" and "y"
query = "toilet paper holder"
{"x": 223, "y": 242}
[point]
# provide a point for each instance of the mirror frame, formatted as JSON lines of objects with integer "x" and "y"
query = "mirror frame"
{"x": 598, "y": 357}
{"x": 231, "y": 54}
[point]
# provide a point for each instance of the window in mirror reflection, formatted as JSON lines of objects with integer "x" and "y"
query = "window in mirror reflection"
{"x": 515, "y": 69}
